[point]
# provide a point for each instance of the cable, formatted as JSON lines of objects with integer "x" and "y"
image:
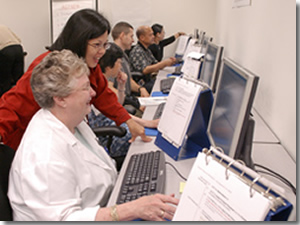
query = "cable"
{"x": 276, "y": 175}
{"x": 182, "y": 177}
{"x": 282, "y": 180}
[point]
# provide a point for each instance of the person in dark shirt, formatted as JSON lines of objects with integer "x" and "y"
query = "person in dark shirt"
{"x": 157, "y": 48}
{"x": 11, "y": 59}
{"x": 142, "y": 60}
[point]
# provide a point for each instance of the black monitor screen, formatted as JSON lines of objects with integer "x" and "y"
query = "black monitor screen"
{"x": 231, "y": 108}
{"x": 230, "y": 98}
{"x": 209, "y": 65}
{"x": 210, "y": 68}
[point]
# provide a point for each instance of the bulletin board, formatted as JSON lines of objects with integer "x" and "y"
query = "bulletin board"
{"x": 61, "y": 10}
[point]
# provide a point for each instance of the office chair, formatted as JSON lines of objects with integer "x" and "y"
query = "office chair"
{"x": 130, "y": 108}
{"x": 6, "y": 158}
{"x": 110, "y": 132}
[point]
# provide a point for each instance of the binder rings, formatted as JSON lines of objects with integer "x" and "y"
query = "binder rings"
{"x": 195, "y": 136}
{"x": 220, "y": 188}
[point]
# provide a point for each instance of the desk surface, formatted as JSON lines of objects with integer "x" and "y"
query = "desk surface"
{"x": 270, "y": 154}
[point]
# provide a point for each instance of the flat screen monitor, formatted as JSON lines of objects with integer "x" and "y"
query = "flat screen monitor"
{"x": 230, "y": 114}
{"x": 206, "y": 40}
{"x": 211, "y": 65}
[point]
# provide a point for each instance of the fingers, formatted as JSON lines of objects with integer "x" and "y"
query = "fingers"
{"x": 168, "y": 199}
{"x": 132, "y": 139}
{"x": 146, "y": 138}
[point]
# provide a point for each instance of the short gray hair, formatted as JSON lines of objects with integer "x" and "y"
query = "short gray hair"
{"x": 55, "y": 76}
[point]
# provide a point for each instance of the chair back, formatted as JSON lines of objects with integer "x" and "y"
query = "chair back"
{"x": 6, "y": 158}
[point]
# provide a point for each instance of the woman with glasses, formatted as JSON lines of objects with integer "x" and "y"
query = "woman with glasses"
{"x": 85, "y": 34}
{"x": 60, "y": 172}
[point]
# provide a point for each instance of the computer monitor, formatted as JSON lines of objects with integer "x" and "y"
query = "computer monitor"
{"x": 211, "y": 65}
{"x": 229, "y": 124}
{"x": 206, "y": 40}
{"x": 201, "y": 36}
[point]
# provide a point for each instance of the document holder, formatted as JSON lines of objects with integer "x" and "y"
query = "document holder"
{"x": 196, "y": 137}
{"x": 220, "y": 188}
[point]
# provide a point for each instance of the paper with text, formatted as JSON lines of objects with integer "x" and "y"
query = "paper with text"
{"x": 191, "y": 65}
{"x": 178, "y": 110}
{"x": 191, "y": 47}
{"x": 209, "y": 196}
{"x": 182, "y": 43}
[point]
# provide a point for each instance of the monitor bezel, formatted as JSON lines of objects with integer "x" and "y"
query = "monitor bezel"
{"x": 242, "y": 122}
{"x": 215, "y": 74}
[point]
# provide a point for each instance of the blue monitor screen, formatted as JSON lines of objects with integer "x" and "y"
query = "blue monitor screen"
{"x": 227, "y": 109}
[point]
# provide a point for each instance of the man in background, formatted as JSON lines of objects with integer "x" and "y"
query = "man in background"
{"x": 122, "y": 34}
{"x": 142, "y": 59}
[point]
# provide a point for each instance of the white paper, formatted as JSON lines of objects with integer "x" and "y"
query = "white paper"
{"x": 191, "y": 65}
{"x": 63, "y": 9}
{"x": 181, "y": 45}
{"x": 191, "y": 47}
{"x": 209, "y": 196}
{"x": 148, "y": 101}
{"x": 178, "y": 110}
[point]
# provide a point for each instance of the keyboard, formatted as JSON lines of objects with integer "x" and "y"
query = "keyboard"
{"x": 145, "y": 175}
{"x": 166, "y": 84}
{"x": 159, "y": 110}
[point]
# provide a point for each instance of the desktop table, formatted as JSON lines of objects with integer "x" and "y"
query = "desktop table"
{"x": 266, "y": 151}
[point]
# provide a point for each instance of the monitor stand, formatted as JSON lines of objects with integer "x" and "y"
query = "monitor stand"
{"x": 246, "y": 150}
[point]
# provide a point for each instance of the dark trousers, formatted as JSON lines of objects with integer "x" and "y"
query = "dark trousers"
{"x": 11, "y": 66}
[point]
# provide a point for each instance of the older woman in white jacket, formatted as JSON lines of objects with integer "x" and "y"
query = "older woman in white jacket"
{"x": 59, "y": 171}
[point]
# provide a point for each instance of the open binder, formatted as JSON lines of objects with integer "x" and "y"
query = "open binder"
{"x": 183, "y": 138}
{"x": 220, "y": 188}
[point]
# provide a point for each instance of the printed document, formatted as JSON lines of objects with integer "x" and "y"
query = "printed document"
{"x": 191, "y": 47}
{"x": 209, "y": 196}
{"x": 182, "y": 43}
{"x": 178, "y": 110}
{"x": 192, "y": 64}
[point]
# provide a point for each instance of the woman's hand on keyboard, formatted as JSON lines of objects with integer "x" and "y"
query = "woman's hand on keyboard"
{"x": 155, "y": 207}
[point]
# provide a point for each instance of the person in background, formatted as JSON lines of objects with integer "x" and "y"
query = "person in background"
{"x": 111, "y": 64}
{"x": 160, "y": 41}
{"x": 122, "y": 34}
{"x": 11, "y": 59}
{"x": 59, "y": 171}
{"x": 142, "y": 59}
{"x": 85, "y": 33}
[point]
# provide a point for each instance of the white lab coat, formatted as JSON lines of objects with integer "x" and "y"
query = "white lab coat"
{"x": 55, "y": 177}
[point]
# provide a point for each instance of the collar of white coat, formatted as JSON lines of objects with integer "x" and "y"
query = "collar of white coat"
{"x": 75, "y": 143}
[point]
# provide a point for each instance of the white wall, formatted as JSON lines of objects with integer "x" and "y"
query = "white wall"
{"x": 30, "y": 20}
{"x": 174, "y": 15}
{"x": 262, "y": 38}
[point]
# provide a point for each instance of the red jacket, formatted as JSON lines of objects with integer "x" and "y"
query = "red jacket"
{"x": 17, "y": 106}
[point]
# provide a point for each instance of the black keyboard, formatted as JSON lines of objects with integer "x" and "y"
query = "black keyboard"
{"x": 159, "y": 110}
{"x": 145, "y": 175}
{"x": 166, "y": 85}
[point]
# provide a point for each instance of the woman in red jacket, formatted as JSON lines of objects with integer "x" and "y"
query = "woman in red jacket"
{"x": 85, "y": 34}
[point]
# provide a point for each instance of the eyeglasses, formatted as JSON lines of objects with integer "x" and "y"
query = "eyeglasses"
{"x": 99, "y": 46}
